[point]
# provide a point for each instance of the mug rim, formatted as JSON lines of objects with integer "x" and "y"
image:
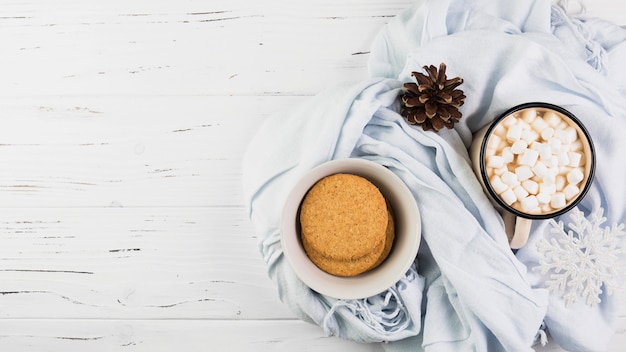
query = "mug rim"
{"x": 487, "y": 182}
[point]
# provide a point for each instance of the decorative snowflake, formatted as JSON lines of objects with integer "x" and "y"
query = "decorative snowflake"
{"x": 584, "y": 258}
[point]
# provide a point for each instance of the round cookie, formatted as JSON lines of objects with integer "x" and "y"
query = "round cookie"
{"x": 344, "y": 217}
{"x": 356, "y": 266}
{"x": 390, "y": 234}
{"x": 344, "y": 267}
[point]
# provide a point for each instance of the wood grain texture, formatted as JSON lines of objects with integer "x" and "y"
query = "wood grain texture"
{"x": 165, "y": 48}
{"x": 134, "y": 263}
{"x": 122, "y": 129}
{"x": 128, "y": 151}
{"x": 169, "y": 335}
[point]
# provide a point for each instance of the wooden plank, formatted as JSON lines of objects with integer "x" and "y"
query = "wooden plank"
{"x": 37, "y": 335}
{"x": 118, "y": 151}
{"x": 208, "y": 48}
{"x": 134, "y": 263}
{"x": 169, "y": 335}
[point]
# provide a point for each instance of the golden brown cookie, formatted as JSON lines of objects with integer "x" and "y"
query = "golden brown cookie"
{"x": 343, "y": 216}
{"x": 344, "y": 267}
{"x": 358, "y": 265}
{"x": 390, "y": 234}
{"x": 344, "y": 224}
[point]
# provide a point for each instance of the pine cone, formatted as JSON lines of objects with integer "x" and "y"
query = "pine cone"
{"x": 435, "y": 102}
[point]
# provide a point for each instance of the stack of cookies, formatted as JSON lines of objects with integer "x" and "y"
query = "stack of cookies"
{"x": 347, "y": 226}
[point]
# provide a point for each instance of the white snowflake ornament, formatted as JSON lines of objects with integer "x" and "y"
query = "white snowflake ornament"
{"x": 584, "y": 259}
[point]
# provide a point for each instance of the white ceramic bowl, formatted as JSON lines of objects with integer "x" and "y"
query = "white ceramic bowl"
{"x": 405, "y": 246}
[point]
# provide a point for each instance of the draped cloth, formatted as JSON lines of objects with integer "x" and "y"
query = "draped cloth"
{"x": 467, "y": 290}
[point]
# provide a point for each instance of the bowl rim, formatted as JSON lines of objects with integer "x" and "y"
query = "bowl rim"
{"x": 376, "y": 280}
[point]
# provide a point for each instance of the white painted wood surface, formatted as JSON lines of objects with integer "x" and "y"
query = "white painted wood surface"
{"x": 122, "y": 127}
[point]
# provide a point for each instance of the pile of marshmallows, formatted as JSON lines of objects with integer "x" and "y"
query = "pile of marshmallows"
{"x": 535, "y": 161}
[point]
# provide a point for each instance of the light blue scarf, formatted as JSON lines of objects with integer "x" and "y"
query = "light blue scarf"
{"x": 467, "y": 291}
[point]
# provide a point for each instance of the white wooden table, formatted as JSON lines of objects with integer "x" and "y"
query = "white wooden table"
{"x": 122, "y": 128}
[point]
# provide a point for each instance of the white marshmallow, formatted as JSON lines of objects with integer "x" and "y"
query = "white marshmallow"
{"x": 574, "y": 159}
{"x": 534, "y": 145}
{"x": 547, "y": 188}
{"x": 529, "y": 203}
{"x": 531, "y": 186}
{"x": 571, "y": 191}
{"x": 575, "y": 176}
{"x": 495, "y": 161}
{"x": 540, "y": 169}
{"x": 551, "y": 118}
{"x": 501, "y": 170}
{"x": 519, "y": 146}
{"x": 555, "y": 145}
{"x": 494, "y": 142}
{"x": 550, "y": 178}
{"x": 528, "y": 157}
{"x": 576, "y": 146}
{"x": 547, "y": 133}
{"x": 543, "y": 198}
{"x": 529, "y": 115}
{"x": 561, "y": 126}
{"x": 571, "y": 134}
{"x": 558, "y": 200}
{"x": 563, "y": 158}
{"x": 565, "y": 148}
{"x": 508, "y": 196}
{"x": 510, "y": 121}
{"x": 497, "y": 184}
{"x": 553, "y": 161}
{"x": 539, "y": 124}
{"x": 523, "y": 172}
{"x": 507, "y": 155}
{"x": 562, "y": 135}
{"x": 559, "y": 182}
{"x": 544, "y": 150}
{"x": 520, "y": 192}
{"x": 500, "y": 131}
{"x": 510, "y": 178}
{"x": 529, "y": 136}
{"x": 553, "y": 171}
{"x": 514, "y": 133}
{"x": 525, "y": 125}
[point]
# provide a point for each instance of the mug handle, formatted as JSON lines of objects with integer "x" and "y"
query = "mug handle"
{"x": 517, "y": 229}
